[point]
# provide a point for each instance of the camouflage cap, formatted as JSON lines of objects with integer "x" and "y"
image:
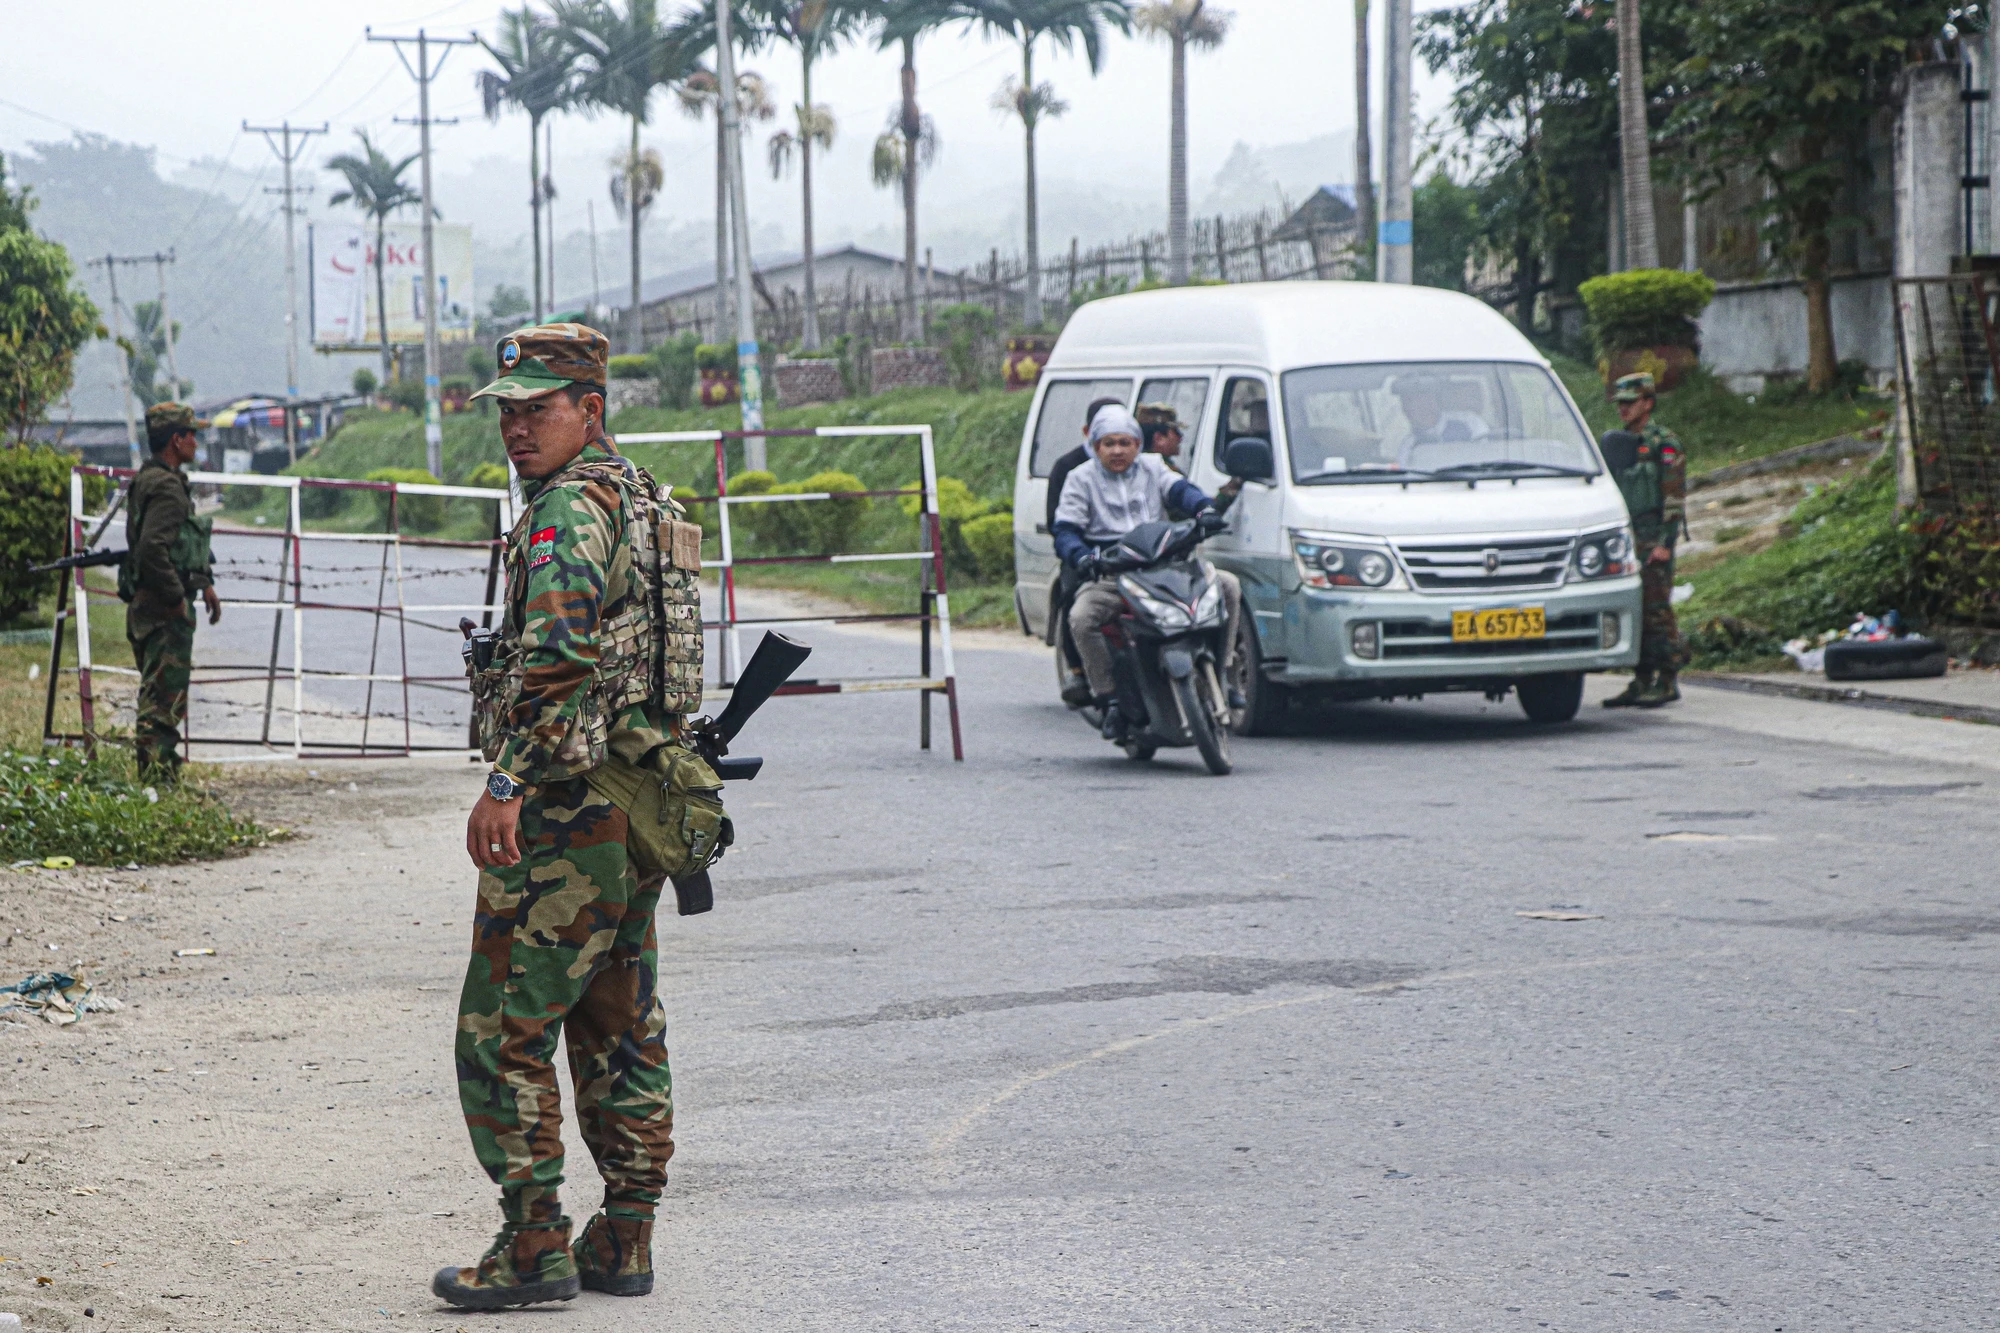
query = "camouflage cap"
{"x": 1631, "y": 388}
{"x": 1160, "y": 415}
{"x": 546, "y": 357}
{"x": 175, "y": 416}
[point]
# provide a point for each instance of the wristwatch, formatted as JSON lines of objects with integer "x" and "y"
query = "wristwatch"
{"x": 502, "y": 786}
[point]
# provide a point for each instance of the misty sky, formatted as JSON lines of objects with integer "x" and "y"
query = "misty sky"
{"x": 182, "y": 77}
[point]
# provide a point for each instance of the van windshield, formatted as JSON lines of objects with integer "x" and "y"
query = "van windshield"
{"x": 1423, "y": 420}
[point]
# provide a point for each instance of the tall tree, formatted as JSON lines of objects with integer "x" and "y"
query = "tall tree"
{"x": 1364, "y": 163}
{"x": 1183, "y": 23}
{"x": 697, "y": 98}
{"x": 146, "y": 352}
{"x": 910, "y": 144}
{"x": 375, "y": 187}
{"x": 1067, "y": 24}
{"x": 44, "y": 318}
{"x": 624, "y": 56}
{"x": 1785, "y": 90}
{"x": 537, "y": 74}
{"x": 1642, "y": 239}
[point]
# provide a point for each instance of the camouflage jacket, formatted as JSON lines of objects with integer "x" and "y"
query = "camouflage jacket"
{"x": 1655, "y": 488}
{"x": 165, "y": 573}
{"x": 580, "y": 669}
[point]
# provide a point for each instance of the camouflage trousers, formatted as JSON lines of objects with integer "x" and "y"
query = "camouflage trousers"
{"x": 563, "y": 943}
{"x": 165, "y": 658}
{"x": 1659, "y": 629}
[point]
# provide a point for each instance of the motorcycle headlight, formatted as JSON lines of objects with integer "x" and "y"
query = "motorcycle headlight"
{"x": 1163, "y": 613}
{"x": 1208, "y": 608}
{"x": 1335, "y": 563}
{"x": 1602, "y": 555}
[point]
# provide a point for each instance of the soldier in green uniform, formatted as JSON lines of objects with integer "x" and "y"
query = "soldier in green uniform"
{"x": 166, "y": 563}
{"x": 1655, "y": 488}
{"x": 598, "y": 661}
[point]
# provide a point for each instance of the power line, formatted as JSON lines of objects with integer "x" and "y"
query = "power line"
{"x": 110, "y": 265}
{"x": 288, "y": 152}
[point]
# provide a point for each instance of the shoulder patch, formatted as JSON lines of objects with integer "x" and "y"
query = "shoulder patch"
{"x": 541, "y": 547}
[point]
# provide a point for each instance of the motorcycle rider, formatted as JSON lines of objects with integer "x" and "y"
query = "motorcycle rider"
{"x": 1101, "y": 502}
{"x": 1076, "y": 693}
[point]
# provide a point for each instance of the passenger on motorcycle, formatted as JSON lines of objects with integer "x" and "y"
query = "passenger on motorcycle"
{"x": 1101, "y": 502}
{"x": 1076, "y": 693}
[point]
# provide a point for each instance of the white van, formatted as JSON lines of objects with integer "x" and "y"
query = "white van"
{"x": 1432, "y": 513}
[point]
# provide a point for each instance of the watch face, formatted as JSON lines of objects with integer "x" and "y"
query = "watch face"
{"x": 501, "y": 786}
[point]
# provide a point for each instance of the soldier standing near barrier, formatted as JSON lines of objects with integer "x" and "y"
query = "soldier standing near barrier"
{"x": 1655, "y": 488}
{"x": 167, "y": 561}
{"x": 597, "y": 662}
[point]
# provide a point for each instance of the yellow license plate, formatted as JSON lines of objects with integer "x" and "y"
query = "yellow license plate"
{"x": 1506, "y": 622}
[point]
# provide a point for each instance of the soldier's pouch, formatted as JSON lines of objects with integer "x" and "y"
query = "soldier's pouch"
{"x": 492, "y": 686}
{"x": 673, "y": 809}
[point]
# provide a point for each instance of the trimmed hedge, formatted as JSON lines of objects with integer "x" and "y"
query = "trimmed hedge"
{"x": 1648, "y": 307}
{"x": 34, "y": 521}
{"x": 417, "y": 513}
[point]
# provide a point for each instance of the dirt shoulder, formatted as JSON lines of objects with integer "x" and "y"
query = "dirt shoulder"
{"x": 258, "y": 1134}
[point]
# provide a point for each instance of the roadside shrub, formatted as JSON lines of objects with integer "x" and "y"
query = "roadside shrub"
{"x": 633, "y": 367}
{"x": 1721, "y": 642}
{"x": 406, "y": 394}
{"x": 489, "y": 475}
{"x": 989, "y": 539}
{"x": 1647, "y": 307}
{"x": 416, "y": 513}
{"x": 364, "y": 381}
{"x": 318, "y": 502}
{"x": 715, "y": 356}
{"x": 964, "y": 332}
{"x": 673, "y": 362}
{"x": 812, "y": 527}
{"x": 34, "y": 521}
{"x": 957, "y": 506}
{"x": 95, "y": 810}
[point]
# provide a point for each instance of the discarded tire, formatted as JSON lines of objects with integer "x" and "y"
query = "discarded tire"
{"x": 1885, "y": 659}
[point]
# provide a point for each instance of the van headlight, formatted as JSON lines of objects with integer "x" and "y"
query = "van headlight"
{"x": 1603, "y": 555}
{"x": 1340, "y": 562}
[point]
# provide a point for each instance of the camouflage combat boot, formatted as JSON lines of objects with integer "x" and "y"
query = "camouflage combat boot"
{"x": 528, "y": 1263}
{"x": 1664, "y": 689}
{"x": 1641, "y": 681}
{"x": 615, "y": 1255}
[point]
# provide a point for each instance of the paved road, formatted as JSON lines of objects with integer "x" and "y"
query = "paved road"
{"x": 1053, "y": 1040}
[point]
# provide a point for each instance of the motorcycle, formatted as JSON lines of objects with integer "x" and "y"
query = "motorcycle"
{"x": 1167, "y": 647}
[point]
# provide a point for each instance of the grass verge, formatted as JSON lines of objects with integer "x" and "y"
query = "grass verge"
{"x": 96, "y": 811}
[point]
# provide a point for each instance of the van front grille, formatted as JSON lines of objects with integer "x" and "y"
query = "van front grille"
{"x": 1406, "y": 639}
{"x": 1471, "y": 567}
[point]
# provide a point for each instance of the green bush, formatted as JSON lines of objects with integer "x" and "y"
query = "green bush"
{"x": 406, "y": 394}
{"x": 488, "y": 476}
{"x": 364, "y": 381}
{"x": 479, "y": 363}
{"x": 673, "y": 362}
{"x": 1647, "y": 307}
{"x": 965, "y": 334}
{"x": 989, "y": 539}
{"x": 314, "y": 501}
{"x": 715, "y": 356}
{"x": 634, "y": 367}
{"x": 804, "y": 527}
{"x": 415, "y": 513}
{"x": 957, "y": 507}
{"x": 95, "y": 810}
{"x": 34, "y": 521}
{"x": 451, "y": 384}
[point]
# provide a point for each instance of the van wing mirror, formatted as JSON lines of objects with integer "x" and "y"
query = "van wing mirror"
{"x": 1248, "y": 458}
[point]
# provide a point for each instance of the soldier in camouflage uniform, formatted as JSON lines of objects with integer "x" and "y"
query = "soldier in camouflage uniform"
{"x": 166, "y": 563}
{"x": 1655, "y": 489}
{"x": 592, "y": 672}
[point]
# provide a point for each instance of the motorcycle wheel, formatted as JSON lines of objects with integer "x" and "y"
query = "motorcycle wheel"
{"x": 1200, "y": 712}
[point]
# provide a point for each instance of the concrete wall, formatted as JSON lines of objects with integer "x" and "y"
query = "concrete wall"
{"x": 1754, "y": 332}
{"x": 1930, "y": 151}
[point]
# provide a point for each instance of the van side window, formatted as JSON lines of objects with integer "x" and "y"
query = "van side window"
{"x": 1246, "y": 413}
{"x": 1187, "y": 396}
{"x": 1059, "y": 429}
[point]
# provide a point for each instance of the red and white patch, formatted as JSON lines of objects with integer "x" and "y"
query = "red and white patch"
{"x": 541, "y": 547}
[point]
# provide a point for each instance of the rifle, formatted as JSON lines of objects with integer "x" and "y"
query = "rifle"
{"x": 776, "y": 658}
{"x": 87, "y": 560}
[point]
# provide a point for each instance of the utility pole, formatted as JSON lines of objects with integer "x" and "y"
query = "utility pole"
{"x": 596, "y": 292}
{"x": 288, "y": 154}
{"x": 111, "y": 263}
{"x": 1394, "y": 254}
{"x": 424, "y": 72}
{"x": 160, "y": 262}
{"x": 750, "y": 375}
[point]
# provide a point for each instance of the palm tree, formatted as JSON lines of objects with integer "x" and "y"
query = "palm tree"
{"x": 814, "y": 27}
{"x": 1642, "y": 240}
{"x": 375, "y": 186}
{"x": 1183, "y": 23}
{"x": 623, "y": 57}
{"x": 635, "y": 184}
{"x": 537, "y": 74}
{"x": 910, "y": 144}
{"x": 1364, "y": 166}
{"x": 697, "y": 97}
{"x": 1067, "y": 23}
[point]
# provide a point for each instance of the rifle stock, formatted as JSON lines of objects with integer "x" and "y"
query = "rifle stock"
{"x": 776, "y": 658}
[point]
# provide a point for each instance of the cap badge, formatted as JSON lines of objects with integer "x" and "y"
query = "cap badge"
{"x": 510, "y": 354}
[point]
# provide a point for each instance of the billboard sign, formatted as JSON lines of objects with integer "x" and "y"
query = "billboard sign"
{"x": 343, "y": 284}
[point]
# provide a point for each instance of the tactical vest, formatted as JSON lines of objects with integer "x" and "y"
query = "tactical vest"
{"x": 650, "y": 649}
{"x": 192, "y": 551}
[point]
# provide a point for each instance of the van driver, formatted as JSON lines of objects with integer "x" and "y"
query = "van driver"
{"x": 1422, "y": 400}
